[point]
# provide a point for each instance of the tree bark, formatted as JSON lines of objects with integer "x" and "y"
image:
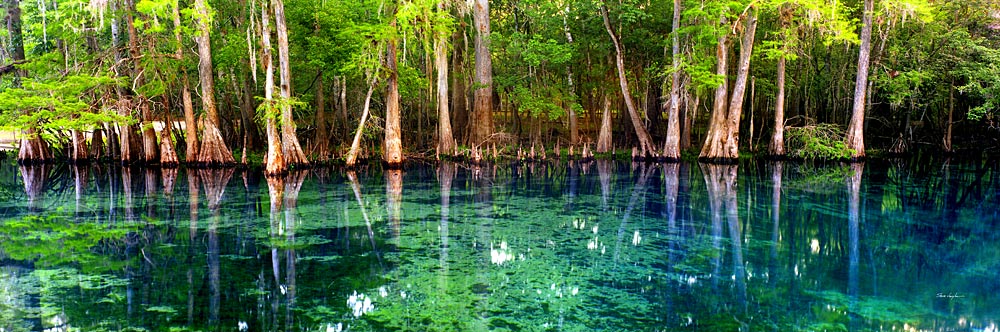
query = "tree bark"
{"x": 722, "y": 143}
{"x": 79, "y": 152}
{"x": 392, "y": 149}
{"x": 214, "y": 151}
{"x": 574, "y": 128}
{"x": 855, "y": 130}
{"x": 482, "y": 117}
{"x": 718, "y": 120}
{"x": 352, "y": 155}
{"x": 274, "y": 163}
{"x": 777, "y": 146}
{"x": 645, "y": 141}
{"x": 16, "y": 45}
{"x": 604, "y": 135}
{"x": 951, "y": 112}
{"x": 446, "y": 140}
{"x": 150, "y": 150}
{"x": 320, "y": 138}
{"x": 672, "y": 147}
{"x": 290, "y": 146}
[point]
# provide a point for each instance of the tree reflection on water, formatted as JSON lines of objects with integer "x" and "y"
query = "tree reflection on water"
{"x": 773, "y": 246}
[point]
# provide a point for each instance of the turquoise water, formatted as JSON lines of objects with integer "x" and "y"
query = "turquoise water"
{"x": 598, "y": 246}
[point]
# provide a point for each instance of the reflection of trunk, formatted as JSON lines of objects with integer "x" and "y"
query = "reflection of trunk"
{"x": 35, "y": 178}
{"x": 853, "y": 222}
{"x": 150, "y": 186}
{"x": 214, "y": 269}
{"x": 671, "y": 184}
{"x": 293, "y": 184}
{"x": 604, "y": 174}
{"x": 446, "y": 173}
{"x": 79, "y": 185}
{"x": 637, "y": 192}
{"x": 604, "y": 136}
{"x": 169, "y": 178}
{"x": 192, "y": 237}
{"x": 645, "y": 141}
{"x": 394, "y": 199}
{"x": 215, "y": 181}
{"x": 356, "y": 187}
{"x": 776, "y": 175}
{"x": 721, "y": 183}
{"x": 127, "y": 194}
{"x": 573, "y": 179}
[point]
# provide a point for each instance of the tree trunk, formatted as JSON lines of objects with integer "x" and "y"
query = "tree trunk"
{"x": 190, "y": 125}
{"x": 96, "y": 144}
{"x": 722, "y": 143}
{"x": 446, "y": 140}
{"x": 352, "y": 155}
{"x": 16, "y": 51}
{"x": 79, "y": 149}
{"x": 482, "y": 113}
{"x": 713, "y": 139}
{"x": 290, "y": 146}
{"x": 168, "y": 156}
{"x": 150, "y": 151}
{"x": 321, "y": 137}
{"x": 645, "y": 141}
{"x": 574, "y": 128}
{"x": 392, "y": 150}
{"x": 213, "y": 150}
{"x": 274, "y": 163}
{"x": 604, "y": 135}
{"x": 459, "y": 95}
{"x": 855, "y": 130}
{"x": 672, "y": 147}
{"x": 951, "y": 112}
{"x": 150, "y": 148}
{"x": 33, "y": 149}
{"x": 777, "y": 146}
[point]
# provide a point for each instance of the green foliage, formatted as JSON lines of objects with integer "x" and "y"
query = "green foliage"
{"x": 57, "y": 104}
{"x": 822, "y": 141}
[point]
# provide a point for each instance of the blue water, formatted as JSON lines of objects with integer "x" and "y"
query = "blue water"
{"x": 560, "y": 246}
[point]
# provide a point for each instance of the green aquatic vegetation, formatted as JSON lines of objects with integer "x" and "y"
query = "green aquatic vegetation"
{"x": 55, "y": 240}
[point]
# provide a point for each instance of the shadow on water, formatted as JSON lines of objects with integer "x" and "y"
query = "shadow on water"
{"x": 769, "y": 246}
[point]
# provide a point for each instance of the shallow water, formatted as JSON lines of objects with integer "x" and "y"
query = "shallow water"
{"x": 882, "y": 246}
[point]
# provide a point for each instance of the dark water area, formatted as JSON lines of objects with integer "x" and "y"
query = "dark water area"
{"x": 600, "y": 246}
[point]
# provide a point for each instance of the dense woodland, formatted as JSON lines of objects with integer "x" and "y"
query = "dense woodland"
{"x": 287, "y": 85}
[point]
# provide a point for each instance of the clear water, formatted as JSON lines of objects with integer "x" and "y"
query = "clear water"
{"x": 600, "y": 246}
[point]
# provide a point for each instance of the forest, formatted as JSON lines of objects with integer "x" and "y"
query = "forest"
{"x": 287, "y": 85}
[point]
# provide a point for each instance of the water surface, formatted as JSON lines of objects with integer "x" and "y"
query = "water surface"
{"x": 597, "y": 246}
